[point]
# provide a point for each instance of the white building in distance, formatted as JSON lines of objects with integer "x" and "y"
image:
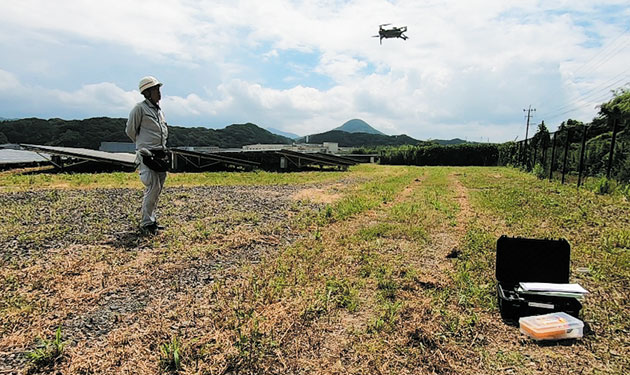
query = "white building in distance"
{"x": 326, "y": 147}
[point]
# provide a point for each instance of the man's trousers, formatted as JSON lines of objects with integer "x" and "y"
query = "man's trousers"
{"x": 153, "y": 183}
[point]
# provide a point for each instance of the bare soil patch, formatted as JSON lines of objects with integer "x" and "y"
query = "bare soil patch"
{"x": 317, "y": 195}
{"x": 75, "y": 259}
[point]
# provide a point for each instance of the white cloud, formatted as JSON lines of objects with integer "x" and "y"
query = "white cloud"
{"x": 192, "y": 105}
{"x": 341, "y": 68}
{"x": 147, "y": 26}
{"x": 101, "y": 99}
{"x": 468, "y": 68}
{"x": 101, "y": 95}
{"x": 8, "y": 82}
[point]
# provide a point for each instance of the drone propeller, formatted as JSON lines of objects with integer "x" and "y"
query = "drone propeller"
{"x": 385, "y": 24}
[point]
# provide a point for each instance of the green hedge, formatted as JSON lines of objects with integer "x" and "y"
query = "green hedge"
{"x": 486, "y": 154}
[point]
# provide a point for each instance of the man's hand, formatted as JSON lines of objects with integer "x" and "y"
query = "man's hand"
{"x": 145, "y": 152}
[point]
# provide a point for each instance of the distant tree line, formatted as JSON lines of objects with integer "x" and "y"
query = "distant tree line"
{"x": 539, "y": 153}
{"x": 465, "y": 154}
{"x": 72, "y": 133}
{"x": 89, "y": 133}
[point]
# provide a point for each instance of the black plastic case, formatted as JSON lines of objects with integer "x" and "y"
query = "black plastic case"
{"x": 533, "y": 260}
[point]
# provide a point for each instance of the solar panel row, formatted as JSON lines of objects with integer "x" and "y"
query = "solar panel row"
{"x": 186, "y": 160}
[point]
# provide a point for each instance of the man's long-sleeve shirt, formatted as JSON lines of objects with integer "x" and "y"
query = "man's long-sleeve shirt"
{"x": 146, "y": 126}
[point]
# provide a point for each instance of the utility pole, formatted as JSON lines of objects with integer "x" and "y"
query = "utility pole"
{"x": 529, "y": 115}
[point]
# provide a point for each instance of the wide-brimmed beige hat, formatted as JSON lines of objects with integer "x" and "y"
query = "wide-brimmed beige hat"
{"x": 148, "y": 82}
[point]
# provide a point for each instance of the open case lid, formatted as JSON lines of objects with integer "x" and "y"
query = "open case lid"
{"x": 537, "y": 260}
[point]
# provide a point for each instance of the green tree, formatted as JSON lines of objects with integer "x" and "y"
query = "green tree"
{"x": 619, "y": 103}
{"x": 542, "y": 137}
{"x": 69, "y": 138}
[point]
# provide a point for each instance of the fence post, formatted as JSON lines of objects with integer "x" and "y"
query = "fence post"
{"x": 582, "y": 155}
{"x": 553, "y": 155}
{"x": 525, "y": 154}
{"x": 612, "y": 144}
{"x": 566, "y": 154}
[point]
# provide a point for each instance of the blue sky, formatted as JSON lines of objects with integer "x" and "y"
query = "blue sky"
{"x": 467, "y": 70}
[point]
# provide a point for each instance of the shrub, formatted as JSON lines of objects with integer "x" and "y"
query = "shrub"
{"x": 603, "y": 186}
{"x": 625, "y": 191}
{"x": 539, "y": 171}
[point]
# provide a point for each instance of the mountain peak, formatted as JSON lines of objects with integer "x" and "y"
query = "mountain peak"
{"x": 358, "y": 126}
{"x": 283, "y": 133}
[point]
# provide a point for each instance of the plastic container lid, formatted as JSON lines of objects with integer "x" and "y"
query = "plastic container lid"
{"x": 554, "y": 326}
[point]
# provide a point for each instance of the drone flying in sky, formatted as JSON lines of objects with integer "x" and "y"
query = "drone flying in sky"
{"x": 393, "y": 32}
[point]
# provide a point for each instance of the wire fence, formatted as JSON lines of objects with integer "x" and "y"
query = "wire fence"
{"x": 574, "y": 153}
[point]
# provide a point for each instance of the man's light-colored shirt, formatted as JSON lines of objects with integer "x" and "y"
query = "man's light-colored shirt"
{"x": 146, "y": 126}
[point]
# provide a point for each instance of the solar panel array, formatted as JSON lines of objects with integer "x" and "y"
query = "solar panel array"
{"x": 187, "y": 160}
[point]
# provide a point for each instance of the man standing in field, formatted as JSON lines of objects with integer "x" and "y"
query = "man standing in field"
{"x": 147, "y": 128}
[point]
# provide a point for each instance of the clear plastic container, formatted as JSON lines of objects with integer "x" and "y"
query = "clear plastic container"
{"x": 554, "y": 326}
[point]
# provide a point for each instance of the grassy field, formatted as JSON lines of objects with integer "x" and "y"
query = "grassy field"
{"x": 378, "y": 270}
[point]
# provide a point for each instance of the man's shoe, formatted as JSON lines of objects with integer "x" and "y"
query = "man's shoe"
{"x": 149, "y": 230}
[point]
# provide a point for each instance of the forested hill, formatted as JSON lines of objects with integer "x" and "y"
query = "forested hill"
{"x": 346, "y": 139}
{"x": 89, "y": 133}
{"x": 358, "y": 126}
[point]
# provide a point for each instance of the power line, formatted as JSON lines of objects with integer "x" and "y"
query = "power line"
{"x": 605, "y": 50}
{"x": 574, "y": 108}
{"x": 599, "y": 96}
{"x": 606, "y": 84}
{"x": 600, "y": 58}
{"x": 590, "y": 96}
{"x": 594, "y": 91}
{"x": 612, "y": 54}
